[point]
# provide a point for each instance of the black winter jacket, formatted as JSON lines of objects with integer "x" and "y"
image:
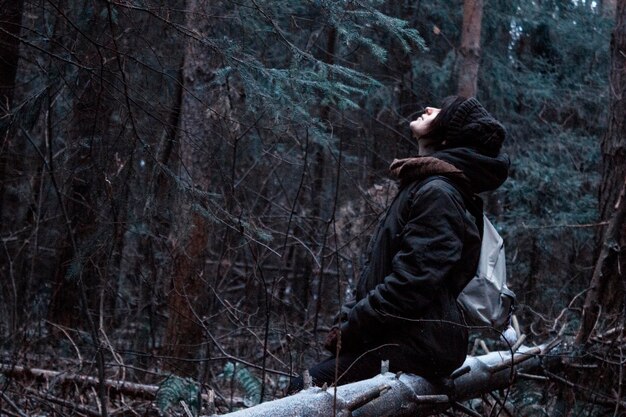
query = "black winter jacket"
{"x": 424, "y": 252}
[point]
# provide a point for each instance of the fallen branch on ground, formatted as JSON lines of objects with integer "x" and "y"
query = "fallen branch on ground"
{"x": 121, "y": 387}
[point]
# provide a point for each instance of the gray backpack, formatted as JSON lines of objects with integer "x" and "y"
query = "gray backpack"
{"x": 486, "y": 301}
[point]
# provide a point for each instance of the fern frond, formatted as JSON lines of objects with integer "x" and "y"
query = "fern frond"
{"x": 175, "y": 389}
{"x": 250, "y": 383}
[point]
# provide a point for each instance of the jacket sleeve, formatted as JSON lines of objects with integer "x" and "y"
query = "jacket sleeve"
{"x": 431, "y": 245}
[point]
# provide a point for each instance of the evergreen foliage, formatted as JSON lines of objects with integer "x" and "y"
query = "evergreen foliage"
{"x": 549, "y": 87}
{"x": 548, "y": 211}
{"x": 246, "y": 380}
{"x": 175, "y": 389}
{"x": 287, "y": 82}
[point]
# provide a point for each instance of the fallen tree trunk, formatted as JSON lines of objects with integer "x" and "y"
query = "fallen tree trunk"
{"x": 404, "y": 395}
{"x": 384, "y": 395}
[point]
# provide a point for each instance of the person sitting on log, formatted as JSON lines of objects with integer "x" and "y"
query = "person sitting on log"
{"x": 423, "y": 253}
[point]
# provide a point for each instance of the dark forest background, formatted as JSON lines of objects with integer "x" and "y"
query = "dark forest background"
{"x": 187, "y": 186}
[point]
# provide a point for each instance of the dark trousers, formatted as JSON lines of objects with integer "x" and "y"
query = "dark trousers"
{"x": 355, "y": 366}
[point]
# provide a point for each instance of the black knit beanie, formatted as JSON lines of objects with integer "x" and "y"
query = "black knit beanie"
{"x": 471, "y": 125}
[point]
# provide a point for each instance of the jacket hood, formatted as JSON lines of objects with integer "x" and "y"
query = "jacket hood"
{"x": 465, "y": 166}
{"x": 484, "y": 172}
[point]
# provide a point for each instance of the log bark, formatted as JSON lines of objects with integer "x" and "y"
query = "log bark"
{"x": 113, "y": 386}
{"x": 44, "y": 375}
{"x": 404, "y": 395}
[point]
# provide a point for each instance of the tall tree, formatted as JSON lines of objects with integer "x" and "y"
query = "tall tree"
{"x": 608, "y": 281}
{"x": 85, "y": 255}
{"x": 470, "y": 47}
{"x": 204, "y": 106}
{"x": 10, "y": 26}
{"x": 614, "y": 142}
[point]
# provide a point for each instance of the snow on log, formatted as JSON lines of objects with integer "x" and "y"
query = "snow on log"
{"x": 403, "y": 395}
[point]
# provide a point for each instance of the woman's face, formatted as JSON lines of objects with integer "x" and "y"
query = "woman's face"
{"x": 422, "y": 124}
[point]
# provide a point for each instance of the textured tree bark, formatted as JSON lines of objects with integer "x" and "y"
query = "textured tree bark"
{"x": 404, "y": 395}
{"x": 613, "y": 174}
{"x": 606, "y": 274}
{"x": 198, "y": 139}
{"x": 614, "y": 142}
{"x": 184, "y": 330}
{"x": 470, "y": 48}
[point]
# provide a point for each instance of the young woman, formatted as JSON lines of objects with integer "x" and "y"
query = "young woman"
{"x": 423, "y": 253}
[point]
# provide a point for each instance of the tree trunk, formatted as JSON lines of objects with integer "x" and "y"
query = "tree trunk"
{"x": 614, "y": 157}
{"x": 470, "y": 47}
{"x": 10, "y": 26}
{"x": 184, "y": 329}
{"x": 606, "y": 274}
{"x": 199, "y": 141}
{"x": 403, "y": 395}
{"x": 147, "y": 264}
{"x": 86, "y": 263}
{"x": 614, "y": 141}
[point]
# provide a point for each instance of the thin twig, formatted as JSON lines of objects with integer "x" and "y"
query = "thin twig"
{"x": 13, "y": 405}
{"x": 67, "y": 404}
{"x": 62, "y": 328}
{"x": 572, "y": 226}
